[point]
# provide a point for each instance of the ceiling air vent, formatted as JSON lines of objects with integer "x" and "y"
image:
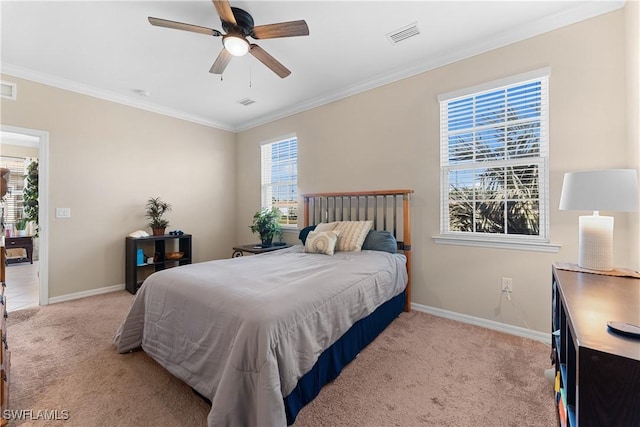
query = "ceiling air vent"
{"x": 403, "y": 33}
{"x": 8, "y": 90}
{"x": 246, "y": 101}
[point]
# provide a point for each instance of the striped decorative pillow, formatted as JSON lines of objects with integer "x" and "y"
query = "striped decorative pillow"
{"x": 326, "y": 226}
{"x": 352, "y": 235}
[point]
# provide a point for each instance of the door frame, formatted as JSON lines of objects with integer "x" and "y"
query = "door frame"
{"x": 43, "y": 205}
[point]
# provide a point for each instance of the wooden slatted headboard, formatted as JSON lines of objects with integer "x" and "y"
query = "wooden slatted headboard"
{"x": 388, "y": 209}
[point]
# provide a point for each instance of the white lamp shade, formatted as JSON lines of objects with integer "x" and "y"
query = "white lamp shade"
{"x": 605, "y": 190}
{"x": 236, "y": 46}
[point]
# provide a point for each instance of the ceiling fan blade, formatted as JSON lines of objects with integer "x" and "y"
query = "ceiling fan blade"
{"x": 282, "y": 29}
{"x": 269, "y": 61}
{"x": 185, "y": 27}
{"x": 221, "y": 62}
{"x": 224, "y": 10}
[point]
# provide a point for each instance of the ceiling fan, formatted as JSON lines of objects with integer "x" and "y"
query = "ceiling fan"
{"x": 238, "y": 25}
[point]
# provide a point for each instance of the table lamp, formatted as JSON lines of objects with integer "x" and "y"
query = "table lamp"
{"x": 604, "y": 190}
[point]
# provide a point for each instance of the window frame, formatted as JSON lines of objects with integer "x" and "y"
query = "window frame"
{"x": 539, "y": 242}
{"x": 264, "y": 192}
{"x": 14, "y": 199}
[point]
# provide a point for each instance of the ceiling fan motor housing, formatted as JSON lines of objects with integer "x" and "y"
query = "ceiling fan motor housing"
{"x": 244, "y": 22}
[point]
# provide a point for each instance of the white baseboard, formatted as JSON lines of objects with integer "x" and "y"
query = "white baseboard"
{"x": 84, "y": 294}
{"x": 490, "y": 324}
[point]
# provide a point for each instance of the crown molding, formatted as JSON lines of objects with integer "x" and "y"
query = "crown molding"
{"x": 27, "y": 74}
{"x": 582, "y": 11}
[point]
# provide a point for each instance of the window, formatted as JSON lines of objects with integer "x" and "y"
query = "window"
{"x": 280, "y": 178}
{"x": 12, "y": 203}
{"x": 494, "y": 160}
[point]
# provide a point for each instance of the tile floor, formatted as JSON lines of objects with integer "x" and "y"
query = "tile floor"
{"x": 22, "y": 285}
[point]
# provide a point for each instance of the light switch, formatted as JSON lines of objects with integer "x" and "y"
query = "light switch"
{"x": 63, "y": 212}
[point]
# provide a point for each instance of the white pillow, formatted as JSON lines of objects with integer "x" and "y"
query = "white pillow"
{"x": 325, "y": 226}
{"x": 321, "y": 242}
{"x": 352, "y": 235}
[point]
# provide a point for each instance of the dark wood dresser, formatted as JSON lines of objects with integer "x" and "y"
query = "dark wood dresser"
{"x": 597, "y": 370}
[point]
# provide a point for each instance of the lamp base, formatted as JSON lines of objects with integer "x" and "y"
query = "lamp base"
{"x": 596, "y": 242}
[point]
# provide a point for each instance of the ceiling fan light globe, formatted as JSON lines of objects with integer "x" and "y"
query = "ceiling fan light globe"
{"x": 236, "y": 46}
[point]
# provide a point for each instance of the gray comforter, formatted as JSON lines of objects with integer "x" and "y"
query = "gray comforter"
{"x": 243, "y": 331}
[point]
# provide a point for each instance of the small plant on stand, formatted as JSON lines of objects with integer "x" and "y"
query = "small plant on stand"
{"x": 156, "y": 208}
{"x": 21, "y": 226}
{"x": 266, "y": 223}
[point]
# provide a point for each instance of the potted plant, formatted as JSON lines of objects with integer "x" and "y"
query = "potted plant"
{"x": 156, "y": 208}
{"x": 21, "y": 226}
{"x": 30, "y": 195}
{"x": 266, "y": 223}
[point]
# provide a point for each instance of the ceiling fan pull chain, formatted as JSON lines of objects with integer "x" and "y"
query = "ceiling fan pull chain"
{"x": 250, "y": 73}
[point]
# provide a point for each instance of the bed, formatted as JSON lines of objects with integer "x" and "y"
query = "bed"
{"x": 260, "y": 335}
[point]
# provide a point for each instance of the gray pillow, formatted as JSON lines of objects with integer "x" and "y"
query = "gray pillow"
{"x": 380, "y": 241}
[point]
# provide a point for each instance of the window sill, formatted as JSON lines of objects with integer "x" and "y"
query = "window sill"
{"x": 497, "y": 244}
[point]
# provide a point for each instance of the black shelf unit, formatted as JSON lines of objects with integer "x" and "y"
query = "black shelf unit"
{"x": 597, "y": 370}
{"x": 136, "y": 273}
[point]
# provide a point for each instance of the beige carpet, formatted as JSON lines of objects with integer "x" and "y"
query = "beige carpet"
{"x": 422, "y": 371}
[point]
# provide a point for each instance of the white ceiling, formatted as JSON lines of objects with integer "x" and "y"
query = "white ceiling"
{"x": 109, "y": 49}
{"x": 12, "y": 138}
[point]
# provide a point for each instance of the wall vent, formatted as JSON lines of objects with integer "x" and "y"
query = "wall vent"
{"x": 403, "y": 33}
{"x": 8, "y": 90}
{"x": 246, "y": 101}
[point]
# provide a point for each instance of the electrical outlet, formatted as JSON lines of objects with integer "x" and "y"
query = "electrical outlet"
{"x": 507, "y": 284}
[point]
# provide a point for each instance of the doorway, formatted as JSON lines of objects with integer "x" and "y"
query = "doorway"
{"x": 29, "y": 276}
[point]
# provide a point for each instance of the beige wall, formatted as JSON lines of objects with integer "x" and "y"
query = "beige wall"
{"x": 389, "y": 138}
{"x": 632, "y": 38}
{"x": 105, "y": 161}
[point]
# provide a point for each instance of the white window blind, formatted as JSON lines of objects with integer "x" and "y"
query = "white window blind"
{"x": 280, "y": 178}
{"x": 12, "y": 202}
{"x": 494, "y": 160}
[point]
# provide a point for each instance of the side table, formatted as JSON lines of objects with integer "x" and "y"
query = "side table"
{"x": 257, "y": 248}
{"x": 24, "y": 242}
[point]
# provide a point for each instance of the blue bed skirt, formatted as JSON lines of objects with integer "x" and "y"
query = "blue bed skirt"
{"x": 335, "y": 358}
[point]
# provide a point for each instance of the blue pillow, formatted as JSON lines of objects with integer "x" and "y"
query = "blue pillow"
{"x": 380, "y": 241}
{"x": 305, "y": 232}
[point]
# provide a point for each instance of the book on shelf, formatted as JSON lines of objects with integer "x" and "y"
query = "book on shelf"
{"x": 562, "y": 412}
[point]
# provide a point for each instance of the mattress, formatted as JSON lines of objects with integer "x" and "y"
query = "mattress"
{"x": 243, "y": 331}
